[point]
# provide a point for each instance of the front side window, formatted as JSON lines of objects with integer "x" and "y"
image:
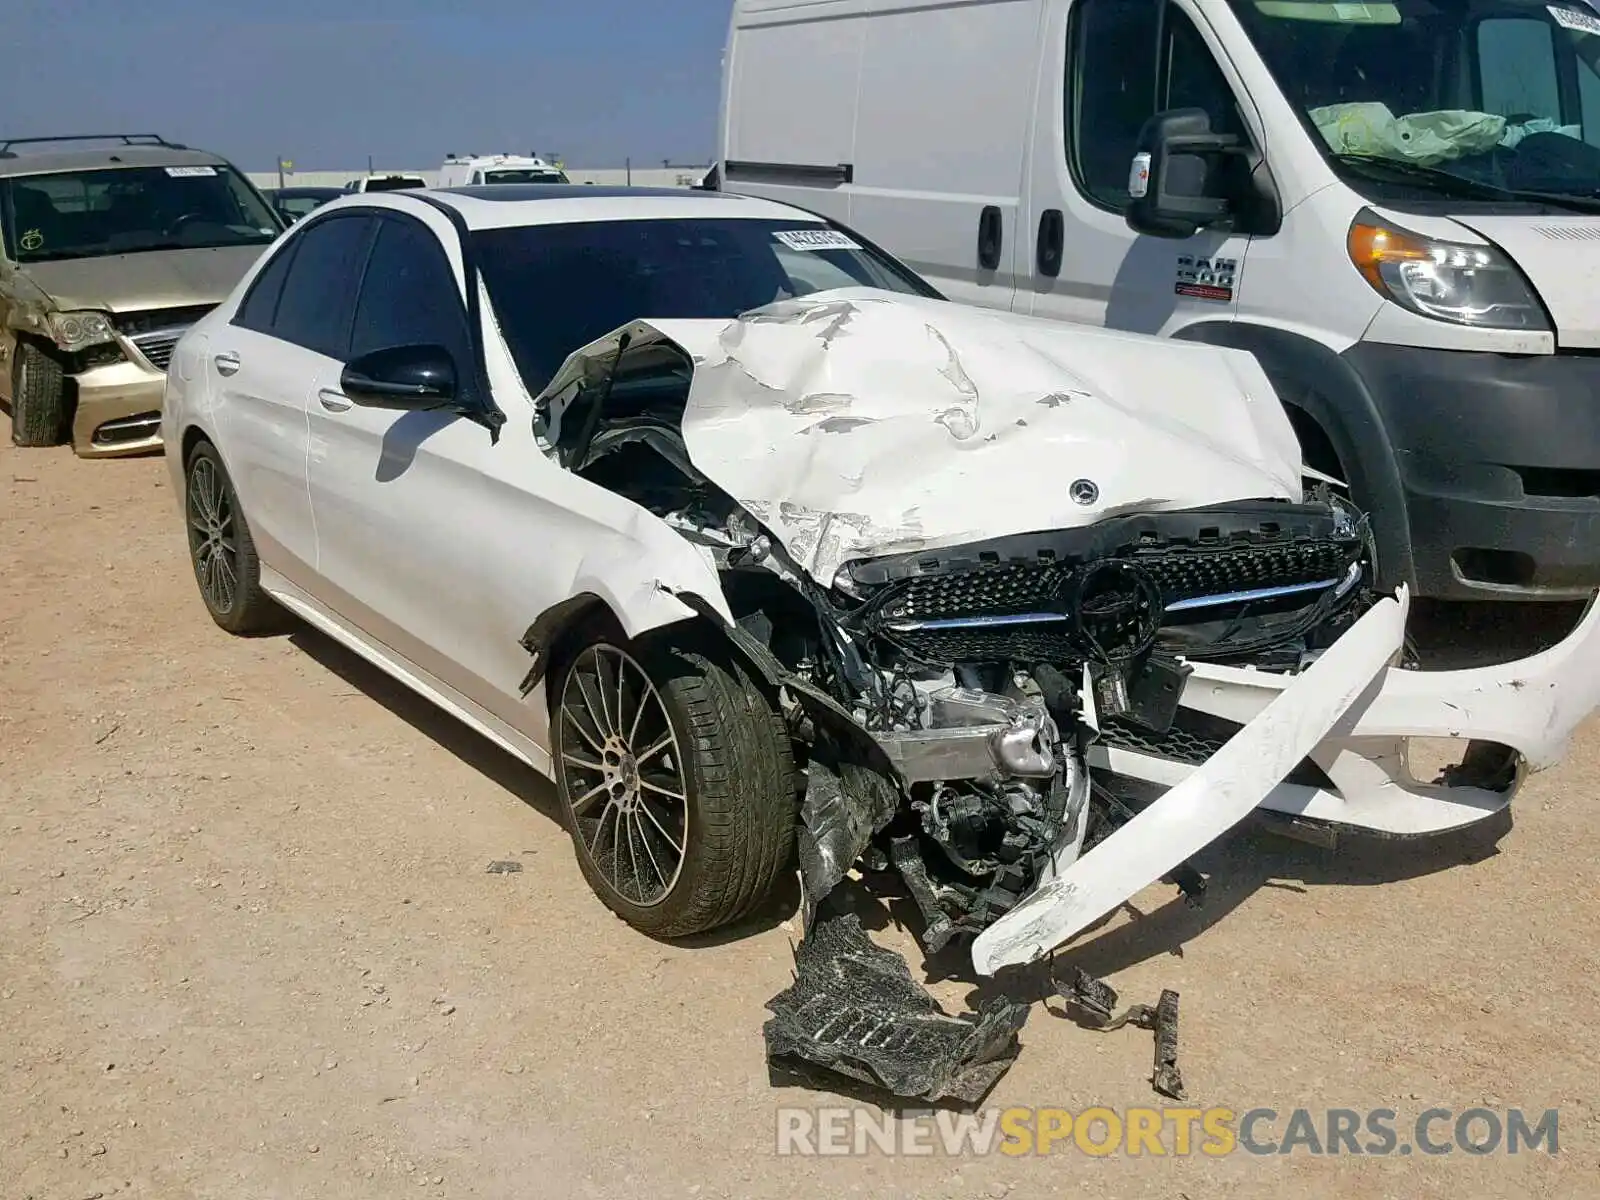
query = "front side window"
{"x": 556, "y": 288}
{"x": 408, "y": 295}
{"x": 130, "y": 210}
{"x": 318, "y": 299}
{"x": 1417, "y": 99}
{"x": 1127, "y": 62}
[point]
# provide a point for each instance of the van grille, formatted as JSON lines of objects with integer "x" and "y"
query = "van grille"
{"x": 155, "y": 332}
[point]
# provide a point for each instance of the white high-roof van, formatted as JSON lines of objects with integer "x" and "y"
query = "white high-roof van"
{"x": 1395, "y": 205}
{"x": 472, "y": 170}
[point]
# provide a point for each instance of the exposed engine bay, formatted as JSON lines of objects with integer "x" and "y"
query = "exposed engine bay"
{"x": 970, "y": 709}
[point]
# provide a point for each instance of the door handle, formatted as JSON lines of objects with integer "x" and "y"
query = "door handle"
{"x": 990, "y": 237}
{"x": 1052, "y": 237}
{"x": 226, "y": 363}
{"x": 333, "y": 401}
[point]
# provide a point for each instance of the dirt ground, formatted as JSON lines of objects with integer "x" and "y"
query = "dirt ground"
{"x": 250, "y": 947}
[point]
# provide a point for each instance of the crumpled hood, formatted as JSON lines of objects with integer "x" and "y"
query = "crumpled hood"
{"x": 860, "y": 423}
{"x": 135, "y": 282}
{"x": 1560, "y": 256}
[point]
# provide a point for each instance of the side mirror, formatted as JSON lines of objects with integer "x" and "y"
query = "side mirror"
{"x": 1177, "y": 183}
{"x": 401, "y": 377}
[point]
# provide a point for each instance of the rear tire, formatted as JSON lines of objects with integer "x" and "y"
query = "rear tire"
{"x": 221, "y": 549}
{"x": 677, "y": 783}
{"x": 38, "y": 398}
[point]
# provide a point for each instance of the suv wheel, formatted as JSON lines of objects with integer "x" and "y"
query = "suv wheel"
{"x": 38, "y": 398}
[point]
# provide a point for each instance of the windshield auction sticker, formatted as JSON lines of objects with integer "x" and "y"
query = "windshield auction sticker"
{"x": 815, "y": 239}
{"x": 1571, "y": 18}
{"x": 191, "y": 172}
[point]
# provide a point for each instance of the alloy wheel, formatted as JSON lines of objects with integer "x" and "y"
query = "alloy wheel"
{"x": 212, "y": 539}
{"x": 623, "y": 775}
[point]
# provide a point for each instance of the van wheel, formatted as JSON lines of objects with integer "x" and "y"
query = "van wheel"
{"x": 38, "y": 398}
{"x": 677, "y": 783}
{"x": 221, "y": 548}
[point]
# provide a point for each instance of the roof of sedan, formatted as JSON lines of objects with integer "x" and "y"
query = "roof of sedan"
{"x": 499, "y": 206}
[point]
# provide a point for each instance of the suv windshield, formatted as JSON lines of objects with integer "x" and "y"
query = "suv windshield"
{"x": 1412, "y": 97}
{"x": 529, "y": 175}
{"x": 556, "y": 288}
{"x": 126, "y": 210}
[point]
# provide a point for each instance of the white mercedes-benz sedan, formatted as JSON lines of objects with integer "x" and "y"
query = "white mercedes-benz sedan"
{"x": 721, "y": 517}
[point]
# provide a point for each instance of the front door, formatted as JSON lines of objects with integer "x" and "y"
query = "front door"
{"x": 1108, "y": 66}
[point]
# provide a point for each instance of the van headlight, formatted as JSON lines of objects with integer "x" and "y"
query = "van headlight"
{"x": 1448, "y": 281}
{"x": 78, "y": 330}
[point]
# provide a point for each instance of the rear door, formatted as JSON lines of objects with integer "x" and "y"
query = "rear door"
{"x": 263, "y": 369}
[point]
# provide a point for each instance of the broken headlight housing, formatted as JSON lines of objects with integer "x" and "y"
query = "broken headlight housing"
{"x": 78, "y": 330}
{"x": 1448, "y": 281}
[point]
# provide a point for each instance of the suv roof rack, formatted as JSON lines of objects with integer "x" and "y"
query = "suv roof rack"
{"x": 127, "y": 139}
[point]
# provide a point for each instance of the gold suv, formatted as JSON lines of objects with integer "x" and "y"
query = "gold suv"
{"x": 106, "y": 257}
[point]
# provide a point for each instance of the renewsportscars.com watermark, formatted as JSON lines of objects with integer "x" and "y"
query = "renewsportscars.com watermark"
{"x": 1164, "y": 1132}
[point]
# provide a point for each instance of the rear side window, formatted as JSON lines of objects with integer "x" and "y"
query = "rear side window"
{"x": 319, "y": 293}
{"x": 409, "y": 295}
{"x": 260, "y": 304}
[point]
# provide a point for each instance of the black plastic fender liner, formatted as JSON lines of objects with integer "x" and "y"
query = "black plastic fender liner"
{"x": 1309, "y": 376}
{"x": 854, "y": 1010}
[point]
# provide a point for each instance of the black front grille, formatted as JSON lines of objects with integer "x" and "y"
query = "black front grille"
{"x": 1193, "y": 739}
{"x": 1186, "y": 556}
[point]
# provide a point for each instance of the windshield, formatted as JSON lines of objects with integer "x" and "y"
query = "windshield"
{"x": 529, "y": 175}
{"x": 126, "y": 210}
{"x": 556, "y": 288}
{"x": 1412, "y": 96}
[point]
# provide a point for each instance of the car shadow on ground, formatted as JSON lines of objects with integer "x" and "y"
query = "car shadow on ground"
{"x": 500, "y": 766}
{"x": 471, "y": 747}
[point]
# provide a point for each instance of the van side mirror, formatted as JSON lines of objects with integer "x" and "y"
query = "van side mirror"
{"x": 401, "y": 377}
{"x": 1177, "y": 184}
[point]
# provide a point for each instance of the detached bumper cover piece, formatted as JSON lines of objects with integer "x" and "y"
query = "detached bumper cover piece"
{"x": 1211, "y": 801}
{"x": 855, "y": 1010}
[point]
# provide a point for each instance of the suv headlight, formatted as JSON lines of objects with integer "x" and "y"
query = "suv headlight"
{"x": 1448, "y": 281}
{"x": 78, "y": 330}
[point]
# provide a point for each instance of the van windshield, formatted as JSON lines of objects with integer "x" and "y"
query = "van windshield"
{"x": 524, "y": 175}
{"x": 1475, "y": 99}
{"x": 127, "y": 210}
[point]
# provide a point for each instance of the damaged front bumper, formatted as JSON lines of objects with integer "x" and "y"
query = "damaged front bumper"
{"x": 1351, "y": 714}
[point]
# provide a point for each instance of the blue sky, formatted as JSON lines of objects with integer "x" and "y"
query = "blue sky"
{"x": 328, "y": 82}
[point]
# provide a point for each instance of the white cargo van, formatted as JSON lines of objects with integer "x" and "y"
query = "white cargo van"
{"x": 473, "y": 170}
{"x": 1395, "y": 205}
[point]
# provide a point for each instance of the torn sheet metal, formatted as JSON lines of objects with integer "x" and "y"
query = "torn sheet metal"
{"x": 1211, "y": 801}
{"x": 857, "y": 423}
{"x": 846, "y": 802}
{"x": 854, "y": 1010}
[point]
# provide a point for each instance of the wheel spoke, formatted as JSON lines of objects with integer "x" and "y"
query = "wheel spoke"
{"x": 645, "y": 808}
{"x": 625, "y": 821}
{"x": 644, "y": 840}
{"x": 600, "y": 826}
{"x": 582, "y": 763}
{"x": 597, "y": 714}
{"x": 661, "y": 791}
{"x": 646, "y": 755}
{"x": 585, "y": 801}
{"x": 613, "y": 724}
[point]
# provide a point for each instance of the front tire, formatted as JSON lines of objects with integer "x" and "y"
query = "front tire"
{"x": 220, "y": 547}
{"x": 677, "y": 783}
{"x": 38, "y": 398}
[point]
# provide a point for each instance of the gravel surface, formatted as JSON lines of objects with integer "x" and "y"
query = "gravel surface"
{"x": 250, "y": 946}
